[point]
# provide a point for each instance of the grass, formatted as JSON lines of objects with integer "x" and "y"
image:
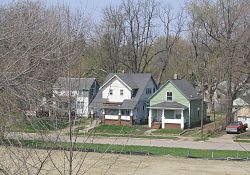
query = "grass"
{"x": 245, "y": 135}
{"x": 176, "y": 152}
{"x": 122, "y": 130}
{"x": 243, "y": 141}
{"x": 167, "y": 131}
{"x": 42, "y": 125}
{"x": 130, "y": 136}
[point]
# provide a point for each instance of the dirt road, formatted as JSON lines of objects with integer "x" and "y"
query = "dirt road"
{"x": 26, "y": 161}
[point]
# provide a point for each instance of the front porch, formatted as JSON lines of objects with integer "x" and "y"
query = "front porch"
{"x": 165, "y": 116}
{"x": 118, "y": 116}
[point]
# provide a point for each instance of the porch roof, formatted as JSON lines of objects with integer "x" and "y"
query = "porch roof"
{"x": 168, "y": 105}
{"x": 126, "y": 104}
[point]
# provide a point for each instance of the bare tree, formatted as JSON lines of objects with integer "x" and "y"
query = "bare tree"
{"x": 220, "y": 35}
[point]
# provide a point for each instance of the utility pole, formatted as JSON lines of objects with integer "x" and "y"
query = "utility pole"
{"x": 202, "y": 107}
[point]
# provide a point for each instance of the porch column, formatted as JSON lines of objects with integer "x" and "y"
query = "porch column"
{"x": 119, "y": 116}
{"x": 103, "y": 114}
{"x": 150, "y": 118}
{"x": 163, "y": 119}
{"x": 131, "y": 117}
{"x": 182, "y": 119}
{"x": 91, "y": 116}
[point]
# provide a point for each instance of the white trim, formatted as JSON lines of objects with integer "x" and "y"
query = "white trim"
{"x": 174, "y": 121}
{"x": 182, "y": 120}
{"x": 118, "y": 79}
{"x": 163, "y": 119}
{"x": 189, "y": 116}
{"x": 125, "y": 117}
{"x": 111, "y": 117}
{"x": 167, "y": 108}
{"x": 150, "y": 118}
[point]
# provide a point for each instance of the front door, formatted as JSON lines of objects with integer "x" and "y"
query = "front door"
{"x": 159, "y": 115}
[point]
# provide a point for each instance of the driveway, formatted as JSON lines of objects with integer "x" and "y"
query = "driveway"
{"x": 214, "y": 144}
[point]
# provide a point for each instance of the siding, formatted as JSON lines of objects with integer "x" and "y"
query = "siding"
{"x": 195, "y": 104}
{"x": 177, "y": 96}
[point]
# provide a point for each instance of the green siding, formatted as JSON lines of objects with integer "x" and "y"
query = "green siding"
{"x": 177, "y": 96}
{"x": 195, "y": 116}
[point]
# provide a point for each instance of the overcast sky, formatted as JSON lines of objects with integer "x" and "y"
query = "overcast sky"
{"x": 94, "y": 7}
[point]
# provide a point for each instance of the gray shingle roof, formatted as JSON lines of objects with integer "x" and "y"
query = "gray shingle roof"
{"x": 246, "y": 98}
{"x": 184, "y": 87}
{"x": 173, "y": 105}
{"x": 137, "y": 82}
{"x": 76, "y": 83}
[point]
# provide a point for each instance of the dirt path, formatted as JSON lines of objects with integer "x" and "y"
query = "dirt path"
{"x": 19, "y": 161}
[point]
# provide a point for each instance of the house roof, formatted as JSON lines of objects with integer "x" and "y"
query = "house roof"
{"x": 76, "y": 83}
{"x": 184, "y": 87}
{"x": 169, "y": 105}
{"x": 136, "y": 81}
{"x": 246, "y": 98}
{"x": 126, "y": 78}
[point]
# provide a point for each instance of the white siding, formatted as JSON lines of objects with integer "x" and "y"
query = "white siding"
{"x": 116, "y": 86}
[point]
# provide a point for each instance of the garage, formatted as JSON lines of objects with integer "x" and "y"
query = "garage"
{"x": 243, "y": 115}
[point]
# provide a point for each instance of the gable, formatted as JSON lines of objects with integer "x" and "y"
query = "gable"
{"x": 116, "y": 87}
{"x": 160, "y": 95}
{"x": 109, "y": 81}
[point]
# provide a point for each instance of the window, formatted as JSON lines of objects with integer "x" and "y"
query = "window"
{"x": 148, "y": 90}
{"x": 125, "y": 112}
{"x": 177, "y": 114}
{"x": 121, "y": 92}
{"x": 110, "y": 91}
{"x": 169, "y": 96}
{"x": 153, "y": 90}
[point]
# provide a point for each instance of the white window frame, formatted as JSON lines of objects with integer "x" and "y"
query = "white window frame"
{"x": 169, "y": 96}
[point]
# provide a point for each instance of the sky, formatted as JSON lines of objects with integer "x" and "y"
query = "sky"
{"x": 95, "y": 7}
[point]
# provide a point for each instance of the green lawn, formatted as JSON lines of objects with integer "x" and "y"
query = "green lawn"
{"x": 245, "y": 135}
{"x": 42, "y": 125}
{"x": 177, "y": 152}
{"x": 167, "y": 131}
{"x": 126, "y": 135}
{"x": 121, "y": 130}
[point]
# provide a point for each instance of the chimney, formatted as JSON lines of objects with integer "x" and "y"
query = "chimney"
{"x": 176, "y": 76}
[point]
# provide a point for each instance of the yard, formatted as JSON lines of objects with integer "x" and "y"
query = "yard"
{"x": 45, "y": 124}
{"x": 100, "y": 163}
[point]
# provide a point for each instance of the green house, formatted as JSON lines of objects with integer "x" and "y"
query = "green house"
{"x": 176, "y": 104}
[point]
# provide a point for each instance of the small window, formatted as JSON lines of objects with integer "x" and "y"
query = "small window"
{"x": 143, "y": 108}
{"x": 148, "y": 90}
{"x": 177, "y": 114}
{"x": 153, "y": 90}
{"x": 121, "y": 92}
{"x": 169, "y": 96}
{"x": 110, "y": 91}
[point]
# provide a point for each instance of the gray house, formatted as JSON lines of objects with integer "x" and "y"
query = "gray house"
{"x": 123, "y": 98}
{"x": 78, "y": 91}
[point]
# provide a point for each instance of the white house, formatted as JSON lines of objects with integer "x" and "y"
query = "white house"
{"x": 79, "y": 91}
{"x": 123, "y": 98}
